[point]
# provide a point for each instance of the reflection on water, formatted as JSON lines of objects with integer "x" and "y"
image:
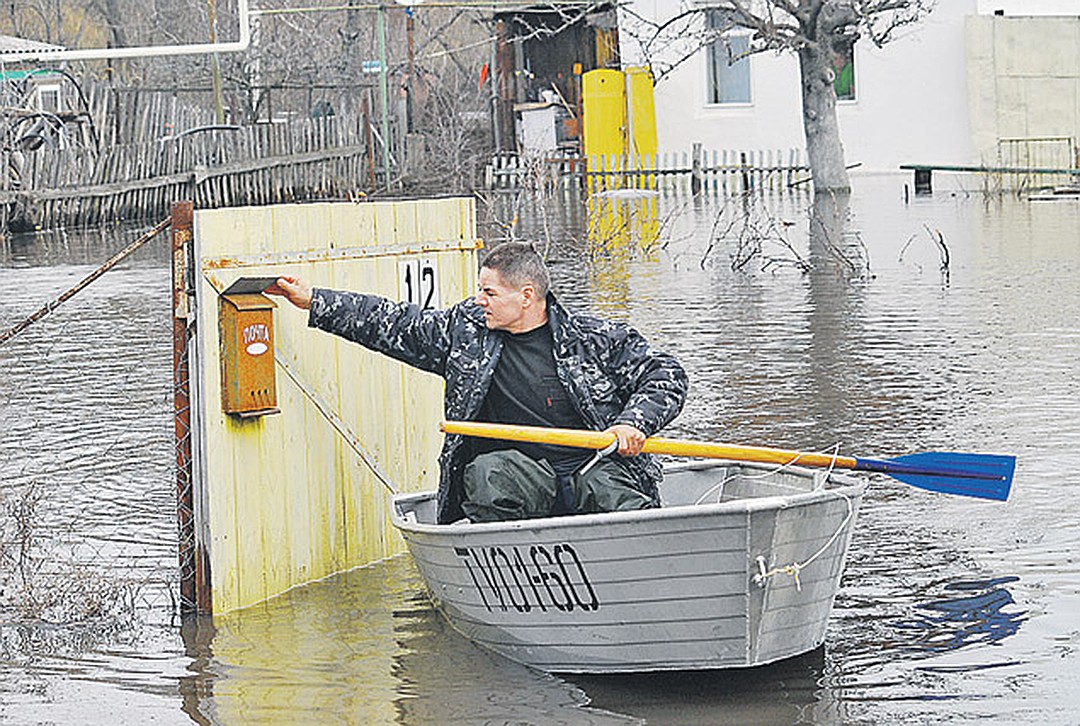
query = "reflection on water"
{"x": 623, "y": 226}
{"x": 797, "y": 330}
{"x": 716, "y": 697}
{"x": 953, "y": 623}
{"x": 362, "y": 647}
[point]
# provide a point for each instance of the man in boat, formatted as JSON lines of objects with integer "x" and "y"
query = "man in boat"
{"x": 512, "y": 354}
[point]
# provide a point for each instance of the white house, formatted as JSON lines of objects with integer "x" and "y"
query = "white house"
{"x": 974, "y": 83}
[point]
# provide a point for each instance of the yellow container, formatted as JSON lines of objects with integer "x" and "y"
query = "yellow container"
{"x": 604, "y": 98}
{"x": 619, "y": 127}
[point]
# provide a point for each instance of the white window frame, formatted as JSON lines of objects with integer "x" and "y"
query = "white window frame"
{"x": 717, "y": 52}
{"x": 48, "y": 89}
{"x": 854, "y": 80}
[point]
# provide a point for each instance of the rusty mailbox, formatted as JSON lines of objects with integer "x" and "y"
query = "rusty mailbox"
{"x": 246, "y": 319}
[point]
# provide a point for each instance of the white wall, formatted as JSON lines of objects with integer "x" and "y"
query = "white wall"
{"x": 911, "y": 99}
{"x": 1029, "y": 7}
{"x": 1024, "y": 81}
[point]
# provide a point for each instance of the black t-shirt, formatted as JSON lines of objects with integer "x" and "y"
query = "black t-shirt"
{"x": 526, "y": 390}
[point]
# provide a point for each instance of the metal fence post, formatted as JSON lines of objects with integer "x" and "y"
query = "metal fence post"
{"x": 194, "y": 577}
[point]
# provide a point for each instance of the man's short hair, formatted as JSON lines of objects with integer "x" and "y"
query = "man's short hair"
{"x": 518, "y": 263}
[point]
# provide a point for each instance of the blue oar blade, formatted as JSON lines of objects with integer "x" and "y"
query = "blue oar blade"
{"x": 984, "y": 476}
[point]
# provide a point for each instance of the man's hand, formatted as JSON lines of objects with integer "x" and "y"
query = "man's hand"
{"x": 292, "y": 289}
{"x": 630, "y": 439}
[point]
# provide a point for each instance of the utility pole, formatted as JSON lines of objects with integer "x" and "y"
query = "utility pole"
{"x": 215, "y": 62}
{"x": 409, "y": 102}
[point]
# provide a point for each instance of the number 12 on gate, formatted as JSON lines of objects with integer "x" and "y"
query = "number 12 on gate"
{"x": 418, "y": 282}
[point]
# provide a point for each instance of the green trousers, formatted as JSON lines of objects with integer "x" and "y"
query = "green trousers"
{"x": 503, "y": 485}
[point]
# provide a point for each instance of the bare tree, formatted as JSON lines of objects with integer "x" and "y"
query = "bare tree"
{"x": 113, "y": 13}
{"x": 817, "y": 31}
{"x": 48, "y": 21}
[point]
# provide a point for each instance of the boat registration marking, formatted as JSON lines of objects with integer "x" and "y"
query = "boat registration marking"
{"x": 535, "y": 579}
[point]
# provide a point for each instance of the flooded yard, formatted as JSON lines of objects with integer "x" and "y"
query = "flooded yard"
{"x": 899, "y": 324}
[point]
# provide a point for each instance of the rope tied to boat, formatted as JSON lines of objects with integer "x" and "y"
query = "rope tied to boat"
{"x": 793, "y": 569}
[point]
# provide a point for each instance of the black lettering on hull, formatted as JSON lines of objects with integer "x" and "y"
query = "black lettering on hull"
{"x": 547, "y": 579}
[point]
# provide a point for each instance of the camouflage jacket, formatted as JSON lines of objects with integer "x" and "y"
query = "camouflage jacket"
{"x": 607, "y": 368}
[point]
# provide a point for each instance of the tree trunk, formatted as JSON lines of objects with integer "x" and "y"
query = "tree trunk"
{"x": 834, "y": 253}
{"x": 823, "y": 147}
{"x": 114, "y": 16}
{"x": 351, "y": 46}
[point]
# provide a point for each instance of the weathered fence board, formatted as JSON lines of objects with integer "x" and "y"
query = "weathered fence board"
{"x": 329, "y": 173}
{"x": 298, "y": 495}
{"x": 153, "y": 149}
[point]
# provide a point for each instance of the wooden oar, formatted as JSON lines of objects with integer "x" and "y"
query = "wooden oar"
{"x": 984, "y": 476}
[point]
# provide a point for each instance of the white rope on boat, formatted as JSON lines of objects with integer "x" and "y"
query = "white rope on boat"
{"x": 819, "y": 483}
{"x": 795, "y": 568}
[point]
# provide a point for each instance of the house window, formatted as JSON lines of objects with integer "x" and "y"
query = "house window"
{"x": 729, "y": 65}
{"x": 48, "y": 98}
{"x": 844, "y": 67}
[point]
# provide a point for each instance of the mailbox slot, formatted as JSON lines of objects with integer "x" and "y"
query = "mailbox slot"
{"x": 248, "y": 382}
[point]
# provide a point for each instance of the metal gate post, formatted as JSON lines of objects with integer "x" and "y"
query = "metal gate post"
{"x": 194, "y": 578}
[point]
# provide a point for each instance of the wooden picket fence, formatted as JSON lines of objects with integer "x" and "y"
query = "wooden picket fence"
{"x": 727, "y": 171}
{"x": 261, "y": 164}
{"x": 148, "y": 149}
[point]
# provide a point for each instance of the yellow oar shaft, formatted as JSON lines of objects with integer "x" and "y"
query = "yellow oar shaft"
{"x": 654, "y": 445}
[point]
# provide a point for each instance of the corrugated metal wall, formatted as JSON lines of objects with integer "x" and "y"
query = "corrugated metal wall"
{"x": 283, "y": 499}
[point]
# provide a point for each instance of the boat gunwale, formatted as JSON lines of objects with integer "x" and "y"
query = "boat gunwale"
{"x": 850, "y": 487}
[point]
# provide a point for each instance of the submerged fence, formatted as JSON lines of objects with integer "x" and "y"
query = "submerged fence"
{"x": 1039, "y": 152}
{"x": 729, "y": 171}
{"x": 125, "y": 154}
{"x": 87, "y": 518}
{"x": 220, "y": 166}
{"x": 114, "y": 154}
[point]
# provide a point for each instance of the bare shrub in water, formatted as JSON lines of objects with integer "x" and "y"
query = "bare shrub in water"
{"x": 42, "y": 581}
{"x": 752, "y": 232}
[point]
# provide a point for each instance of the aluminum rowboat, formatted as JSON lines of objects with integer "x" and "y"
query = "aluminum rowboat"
{"x": 738, "y": 568}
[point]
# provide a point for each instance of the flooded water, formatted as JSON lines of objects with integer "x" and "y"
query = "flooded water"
{"x": 795, "y": 333}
